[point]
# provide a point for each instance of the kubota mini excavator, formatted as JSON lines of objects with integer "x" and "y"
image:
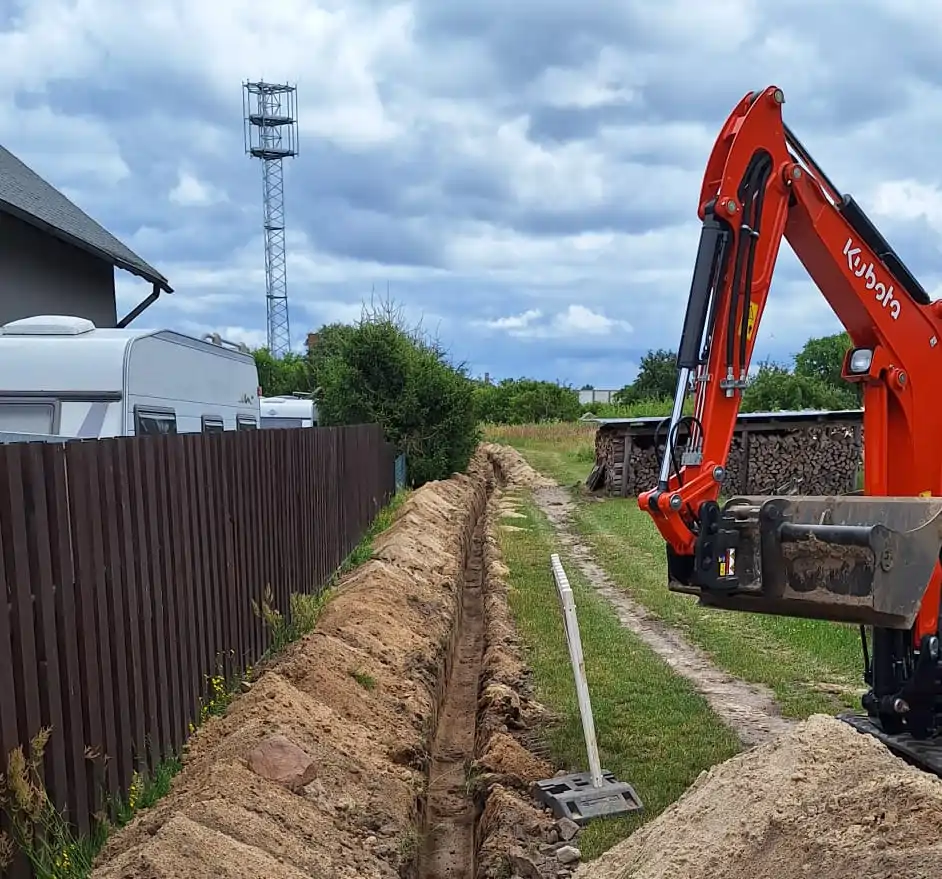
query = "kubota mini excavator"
{"x": 870, "y": 559}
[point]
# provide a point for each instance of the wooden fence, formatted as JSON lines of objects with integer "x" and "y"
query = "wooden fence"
{"x": 127, "y": 572}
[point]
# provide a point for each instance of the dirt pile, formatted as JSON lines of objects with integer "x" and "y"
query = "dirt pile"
{"x": 359, "y": 697}
{"x": 513, "y": 467}
{"x": 821, "y": 801}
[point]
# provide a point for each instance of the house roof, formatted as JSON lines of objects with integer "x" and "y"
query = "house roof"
{"x": 25, "y": 195}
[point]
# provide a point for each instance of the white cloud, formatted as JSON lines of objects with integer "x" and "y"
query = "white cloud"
{"x": 515, "y": 322}
{"x": 909, "y": 199}
{"x": 190, "y": 191}
{"x": 575, "y": 320}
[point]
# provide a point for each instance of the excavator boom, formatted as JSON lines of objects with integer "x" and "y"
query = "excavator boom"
{"x": 871, "y": 559}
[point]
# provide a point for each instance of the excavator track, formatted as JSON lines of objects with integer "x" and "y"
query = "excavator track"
{"x": 925, "y": 754}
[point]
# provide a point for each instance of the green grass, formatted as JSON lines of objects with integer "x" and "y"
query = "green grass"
{"x": 654, "y": 730}
{"x": 812, "y": 666}
{"x": 801, "y": 660}
{"x": 565, "y": 450}
{"x": 364, "y": 679}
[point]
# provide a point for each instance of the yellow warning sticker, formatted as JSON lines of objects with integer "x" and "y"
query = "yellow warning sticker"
{"x": 753, "y": 313}
{"x": 925, "y": 494}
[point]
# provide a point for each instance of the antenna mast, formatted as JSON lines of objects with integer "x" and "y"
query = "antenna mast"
{"x": 270, "y": 129}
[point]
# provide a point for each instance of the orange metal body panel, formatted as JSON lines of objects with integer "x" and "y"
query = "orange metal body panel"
{"x": 903, "y": 412}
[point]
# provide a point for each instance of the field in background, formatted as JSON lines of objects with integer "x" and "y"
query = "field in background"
{"x": 563, "y": 450}
{"x": 644, "y": 713}
{"x": 811, "y": 665}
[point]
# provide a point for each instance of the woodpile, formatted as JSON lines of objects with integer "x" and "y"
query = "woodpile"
{"x": 820, "y": 458}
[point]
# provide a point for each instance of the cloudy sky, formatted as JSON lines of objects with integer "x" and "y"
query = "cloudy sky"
{"x": 523, "y": 176}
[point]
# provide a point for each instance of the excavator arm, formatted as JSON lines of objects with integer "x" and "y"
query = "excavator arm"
{"x": 870, "y": 559}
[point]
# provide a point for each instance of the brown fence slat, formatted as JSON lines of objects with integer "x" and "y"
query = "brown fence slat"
{"x": 194, "y": 503}
{"x": 237, "y": 588}
{"x": 158, "y": 448}
{"x": 15, "y": 544}
{"x": 151, "y": 667}
{"x": 215, "y": 569}
{"x": 155, "y": 570}
{"x": 230, "y": 569}
{"x": 9, "y": 714}
{"x": 86, "y": 578}
{"x": 182, "y": 575}
{"x": 44, "y": 603}
{"x": 254, "y": 565}
{"x": 93, "y": 457}
{"x": 67, "y": 628}
{"x": 113, "y": 596}
{"x": 129, "y": 601}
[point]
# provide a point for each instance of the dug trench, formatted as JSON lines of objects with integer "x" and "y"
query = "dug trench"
{"x": 394, "y": 742}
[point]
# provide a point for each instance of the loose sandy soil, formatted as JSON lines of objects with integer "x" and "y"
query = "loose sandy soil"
{"x": 391, "y": 621}
{"x": 426, "y": 623}
{"x": 821, "y": 801}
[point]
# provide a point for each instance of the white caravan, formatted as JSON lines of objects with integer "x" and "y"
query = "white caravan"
{"x": 63, "y": 376}
{"x": 288, "y": 411}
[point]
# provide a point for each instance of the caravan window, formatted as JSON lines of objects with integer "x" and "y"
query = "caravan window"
{"x": 213, "y": 425}
{"x": 28, "y": 416}
{"x": 154, "y": 422}
{"x": 244, "y": 422}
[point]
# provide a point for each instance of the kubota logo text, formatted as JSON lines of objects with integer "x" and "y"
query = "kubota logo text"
{"x": 865, "y": 270}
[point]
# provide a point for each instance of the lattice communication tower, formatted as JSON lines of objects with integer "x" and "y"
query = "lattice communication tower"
{"x": 270, "y": 126}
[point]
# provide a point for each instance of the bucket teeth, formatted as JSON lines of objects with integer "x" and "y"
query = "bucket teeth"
{"x": 854, "y": 559}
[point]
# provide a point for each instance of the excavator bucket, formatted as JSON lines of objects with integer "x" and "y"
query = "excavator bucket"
{"x": 853, "y": 559}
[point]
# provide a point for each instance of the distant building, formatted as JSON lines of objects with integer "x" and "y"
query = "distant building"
{"x": 55, "y": 259}
{"x": 595, "y": 395}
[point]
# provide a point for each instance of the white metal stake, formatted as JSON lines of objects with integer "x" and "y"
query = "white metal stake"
{"x": 578, "y": 667}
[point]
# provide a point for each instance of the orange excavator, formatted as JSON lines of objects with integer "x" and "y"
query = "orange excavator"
{"x": 871, "y": 559}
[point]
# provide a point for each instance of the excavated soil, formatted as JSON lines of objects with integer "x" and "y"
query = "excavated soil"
{"x": 515, "y": 836}
{"x": 448, "y": 849}
{"x": 815, "y": 799}
{"x": 360, "y": 696}
{"x": 426, "y": 771}
{"x": 409, "y": 710}
{"x": 821, "y": 801}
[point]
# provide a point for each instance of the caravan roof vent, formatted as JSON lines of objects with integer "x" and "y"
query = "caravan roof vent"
{"x": 48, "y": 325}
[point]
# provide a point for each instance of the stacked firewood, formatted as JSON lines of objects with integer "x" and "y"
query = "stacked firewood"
{"x": 820, "y": 459}
{"x": 823, "y": 459}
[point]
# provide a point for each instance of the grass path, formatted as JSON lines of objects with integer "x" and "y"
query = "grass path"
{"x": 655, "y": 730}
{"x": 810, "y": 665}
{"x": 749, "y": 709}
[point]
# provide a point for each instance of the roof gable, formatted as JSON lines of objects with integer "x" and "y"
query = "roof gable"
{"x": 24, "y": 194}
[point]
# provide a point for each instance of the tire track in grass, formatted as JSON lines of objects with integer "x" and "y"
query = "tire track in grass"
{"x": 749, "y": 709}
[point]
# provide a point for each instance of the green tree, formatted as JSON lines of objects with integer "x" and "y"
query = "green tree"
{"x": 326, "y": 343}
{"x": 774, "y": 388}
{"x": 823, "y": 359}
{"x": 525, "y": 401}
{"x": 656, "y": 379}
{"x": 282, "y": 375}
{"x": 382, "y": 372}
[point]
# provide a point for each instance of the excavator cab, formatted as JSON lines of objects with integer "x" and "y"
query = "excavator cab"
{"x": 871, "y": 559}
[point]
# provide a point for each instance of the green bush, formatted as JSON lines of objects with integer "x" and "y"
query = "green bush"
{"x": 380, "y": 372}
{"x": 774, "y": 388}
{"x": 284, "y": 375}
{"x": 525, "y": 401}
